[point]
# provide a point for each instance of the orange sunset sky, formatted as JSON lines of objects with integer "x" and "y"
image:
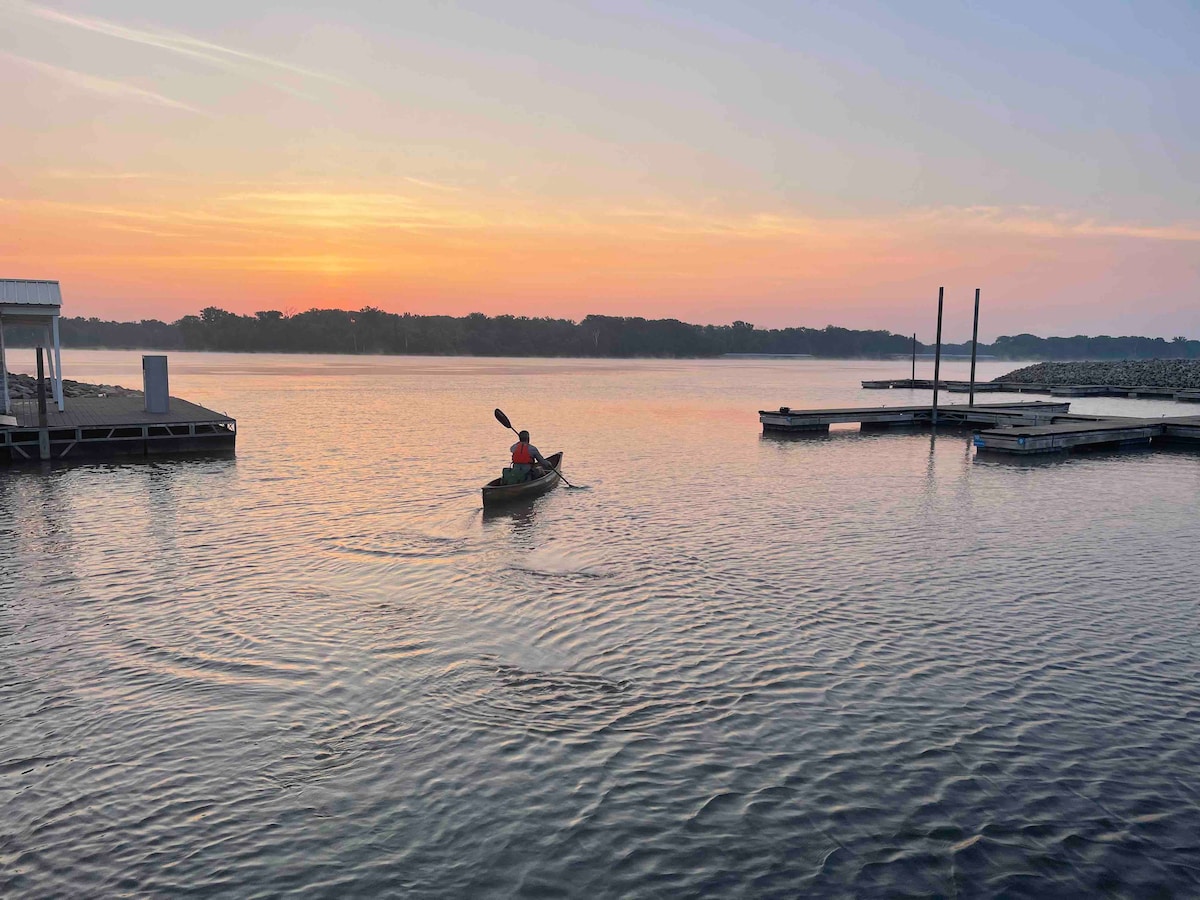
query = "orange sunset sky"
{"x": 785, "y": 164}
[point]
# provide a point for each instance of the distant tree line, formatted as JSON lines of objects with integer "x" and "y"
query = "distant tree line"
{"x": 371, "y": 330}
{"x": 1029, "y": 346}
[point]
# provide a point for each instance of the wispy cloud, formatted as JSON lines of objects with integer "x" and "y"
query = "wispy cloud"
{"x": 106, "y": 87}
{"x": 1028, "y": 221}
{"x": 432, "y": 185}
{"x": 74, "y": 175}
{"x": 1037, "y": 221}
{"x": 226, "y": 58}
{"x": 283, "y": 212}
{"x": 134, "y": 229}
{"x": 115, "y": 212}
{"x": 352, "y": 210}
{"x": 670, "y": 222}
{"x": 290, "y": 209}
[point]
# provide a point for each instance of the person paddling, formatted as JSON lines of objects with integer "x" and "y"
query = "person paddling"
{"x": 524, "y": 455}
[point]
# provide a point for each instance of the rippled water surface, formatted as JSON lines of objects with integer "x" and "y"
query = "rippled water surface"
{"x": 730, "y": 665}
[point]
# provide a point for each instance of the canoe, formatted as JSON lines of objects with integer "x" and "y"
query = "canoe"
{"x": 495, "y": 492}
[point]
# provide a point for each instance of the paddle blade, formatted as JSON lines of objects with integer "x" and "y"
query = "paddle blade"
{"x": 503, "y": 419}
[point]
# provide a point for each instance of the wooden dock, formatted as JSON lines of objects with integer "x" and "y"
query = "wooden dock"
{"x": 957, "y": 387}
{"x": 1019, "y": 429}
{"x": 98, "y": 427}
{"x": 1036, "y": 412}
{"x": 1076, "y": 434}
{"x": 1055, "y": 390}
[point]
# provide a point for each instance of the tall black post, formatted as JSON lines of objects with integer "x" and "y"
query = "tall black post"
{"x": 937, "y": 355}
{"x": 974, "y": 344}
{"x": 914, "y": 369}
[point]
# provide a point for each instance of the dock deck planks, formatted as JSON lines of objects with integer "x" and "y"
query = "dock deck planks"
{"x": 109, "y": 412}
{"x": 113, "y": 426}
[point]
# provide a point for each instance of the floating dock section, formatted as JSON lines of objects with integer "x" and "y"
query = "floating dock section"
{"x": 1018, "y": 429}
{"x": 954, "y": 387}
{"x": 1075, "y": 434}
{"x": 811, "y": 420}
{"x": 99, "y": 427}
{"x": 1055, "y": 390}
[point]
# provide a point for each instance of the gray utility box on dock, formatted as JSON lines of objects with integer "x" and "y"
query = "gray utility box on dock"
{"x": 154, "y": 383}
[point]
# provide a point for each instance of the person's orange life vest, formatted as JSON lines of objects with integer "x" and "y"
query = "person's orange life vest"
{"x": 521, "y": 454}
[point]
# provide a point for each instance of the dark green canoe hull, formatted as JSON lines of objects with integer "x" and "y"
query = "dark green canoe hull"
{"x": 495, "y": 493}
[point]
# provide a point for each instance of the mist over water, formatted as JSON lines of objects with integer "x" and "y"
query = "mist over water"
{"x": 736, "y": 665}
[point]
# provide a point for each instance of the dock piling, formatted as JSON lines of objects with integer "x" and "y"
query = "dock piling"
{"x": 937, "y": 357}
{"x": 974, "y": 344}
{"x": 41, "y": 388}
{"x": 43, "y": 430}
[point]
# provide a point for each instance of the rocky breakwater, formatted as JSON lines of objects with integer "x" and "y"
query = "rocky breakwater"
{"x": 24, "y": 387}
{"x": 1167, "y": 373}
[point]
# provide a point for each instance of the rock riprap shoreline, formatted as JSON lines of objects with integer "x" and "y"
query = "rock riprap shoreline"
{"x": 1167, "y": 373}
{"x": 24, "y": 387}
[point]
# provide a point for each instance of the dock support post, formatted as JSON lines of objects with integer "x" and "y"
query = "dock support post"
{"x": 58, "y": 385}
{"x": 937, "y": 355}
{"x": 974, "y": 344}
{"x": 4, "y": 367}
{"x": 43, "y": 431}
{"x": 41, "y": 389}
{"x": 914, "y": 359}
{"x": 50, "y": 366}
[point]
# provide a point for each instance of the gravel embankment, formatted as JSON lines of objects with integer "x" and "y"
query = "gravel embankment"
{"x": 24, "y": 387}
{"x": 1171, "y": 373}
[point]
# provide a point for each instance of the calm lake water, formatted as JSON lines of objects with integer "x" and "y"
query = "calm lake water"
{"x": 732, "y": 666}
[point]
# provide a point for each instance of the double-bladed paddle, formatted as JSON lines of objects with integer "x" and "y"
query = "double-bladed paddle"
{"x": 503, "y": 420}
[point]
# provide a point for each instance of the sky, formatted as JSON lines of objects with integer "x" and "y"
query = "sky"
{"x": 779, "y": 163}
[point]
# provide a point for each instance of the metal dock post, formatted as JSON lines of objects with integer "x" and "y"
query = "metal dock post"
{"x": 974, "y": 344}
{"x": 937, "y": 356}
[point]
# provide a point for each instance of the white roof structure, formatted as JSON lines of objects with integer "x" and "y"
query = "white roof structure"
{"x": 35, "y": 300}
{"x": 26, "y": 302}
